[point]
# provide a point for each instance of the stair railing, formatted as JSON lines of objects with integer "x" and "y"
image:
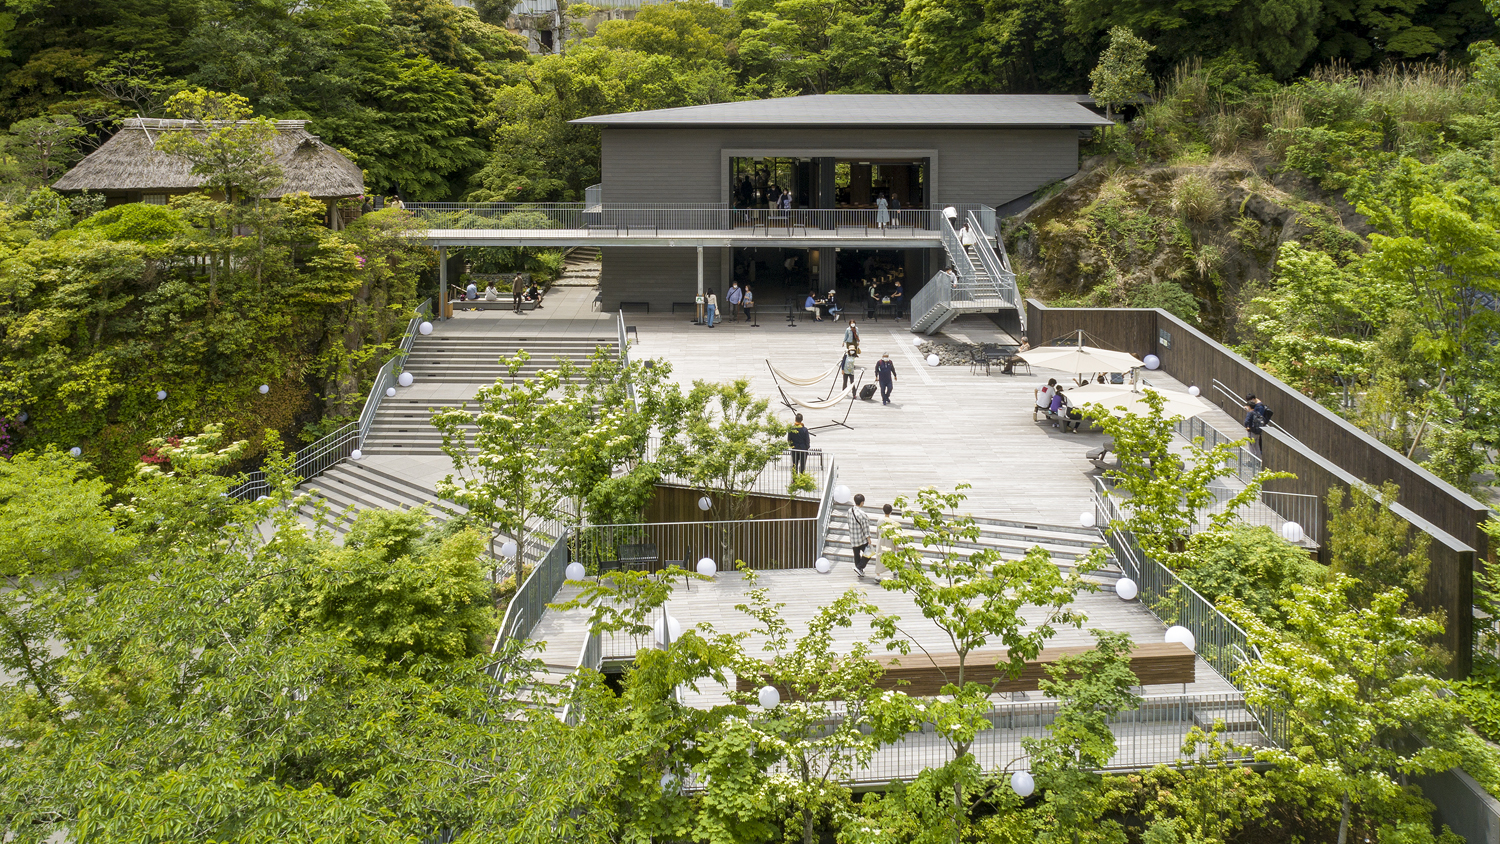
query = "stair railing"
{"x": 932, "y": 303}
{"x": 1002, "y": 280}
{"x": 317, "y": 458}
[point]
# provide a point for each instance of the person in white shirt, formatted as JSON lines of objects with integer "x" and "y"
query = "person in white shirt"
{"x": 885, "y": 526}
{"x": 1044, "y": 397}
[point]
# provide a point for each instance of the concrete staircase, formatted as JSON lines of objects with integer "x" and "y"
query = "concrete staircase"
{"x": 1067, "y": 545}
{"x": 475, "y": 359}
{"x": 581, "y": 268}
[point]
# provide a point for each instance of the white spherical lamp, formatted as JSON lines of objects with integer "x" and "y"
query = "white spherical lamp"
{"x": 823, "y": 565}
{"x": 706, "y": 567}
{"x": 575, "y": 571}
{"x": 425, "y": 328}
{"x": 1126, "y": 589}
{"x": 357, "y": 454}
{"x": 669, "y": 783}
{"x": 508, "y": 549}
{"x": 1152, "y": 362}
{"x": 768, "y": 697}
{"x": 161, "y": 395}
{"x": 917, "y": 341}
{"x": 23, "y": 417}
{"x": 1022, "y": 783}
{"x": 1177, "y": 633}
{"x": 404, "y": 379}
{"x": 933, "y": 360}
{"x": 1194, "y": 391}
{"x": 668, "y": 627}
{"x": 390, "y": 392}
{"x": 1086, "y": 518}
{"x": 842, "y": 495}
{"x": 705, "y": 504}
{"x": 1292, "y": 532}
{"x": 76, "y": 451}
{"x": 265, "y": 388}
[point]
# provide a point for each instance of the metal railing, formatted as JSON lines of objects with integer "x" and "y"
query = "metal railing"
{"x": 592, "y": 658}
{"x": 593, "y": 197}
{"x": 1003, "y": 280}
{"x": 1148, "y": 735}
{"x": 1246, "y": 464}
{"x": 932, "y": 303}
{"x": 825, "y": 506}
{"x": 635, "y": 400}
{"x": 328, "y": 451}
{"x": 1305, "y": 510}
{"x": 630, "y": 219}
{"x": 530, "y": 601}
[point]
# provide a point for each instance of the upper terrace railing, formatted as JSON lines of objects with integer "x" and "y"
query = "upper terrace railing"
{"x": 646, "y": 219}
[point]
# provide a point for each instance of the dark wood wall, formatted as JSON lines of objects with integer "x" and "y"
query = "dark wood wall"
{"x": 1319, "y": 447}
{"x": 680, "y": 504}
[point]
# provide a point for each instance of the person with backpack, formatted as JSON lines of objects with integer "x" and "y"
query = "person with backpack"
{"x": 1254, "y": 423}
{"x": 1260, "y": 408}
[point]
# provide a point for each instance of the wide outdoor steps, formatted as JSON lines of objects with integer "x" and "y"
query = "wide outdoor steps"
{"x": 404, "y": 426}
{"x": 1066, "y": 545}
{"x": 581, "y": 268}
{"x": 350, "y": 486}
{"x": 476, "y": 360}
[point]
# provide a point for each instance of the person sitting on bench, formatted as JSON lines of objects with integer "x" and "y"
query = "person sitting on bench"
{"x": 491, "y": 294}
{"x": 533, "y": 294}
{"x": 1044, "y": 398}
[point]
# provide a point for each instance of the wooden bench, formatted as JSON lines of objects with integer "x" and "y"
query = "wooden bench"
{"x": 645, "y": 306}
{"x": 483, "y": 305}
{"x": 921, "y": 675}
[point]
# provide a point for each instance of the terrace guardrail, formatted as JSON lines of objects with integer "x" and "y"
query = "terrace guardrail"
{"x": 317, "y": 458}
{"x": 643, "y": 219}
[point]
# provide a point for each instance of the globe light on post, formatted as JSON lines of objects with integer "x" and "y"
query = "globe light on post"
{"x": 1152, "y": 362}
{"x": 707, "y": 567}
{"x": 1177, "y": 633}
{"x": 265, "y": 388}
{"x": 161, "y": 395}
{"x": 1086, "y": 518}
{"x": 768, "y": 697}
{"x": 917, "y": 341}
{"x": 705, "y": 504}
{"x": 842, "y": 495}
{"x": 1292, "y": 532}
{"x": 823, "y": 565}
{"x": 508, "y": 549}
{"x": 404, "y": 379}
{"x": 425, "y": 328}
{"x": 933, "y": 360}
{"x": 1194, "y": 391}
{"x": 670, "y": 784}
{"x": 668, "y": 630}
{"x": 575, "y": 571}
{"x": 390, "y": 392}
{"x": 1126, "y": 589}
{"x": 76, "y": 451}
{"x": 357, "y": 454}
{"x": 1022, "y": 783}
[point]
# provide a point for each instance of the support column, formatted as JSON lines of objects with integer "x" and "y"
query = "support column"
{"x": 442, "y": 297}
{"x": 828, "y": 264}
{"x": 701, "y": 294}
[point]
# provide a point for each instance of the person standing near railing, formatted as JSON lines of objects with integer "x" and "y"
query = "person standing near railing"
{"x": 800, "y": 439}
{"x": 882, "y": 212}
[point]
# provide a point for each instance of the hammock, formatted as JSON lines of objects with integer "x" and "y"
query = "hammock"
{"x": 820, "y": 404}
{"x": 802, "y": 382}
{"x": 824, "y": 404}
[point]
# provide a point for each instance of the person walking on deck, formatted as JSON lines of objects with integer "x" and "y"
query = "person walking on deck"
{"x": 859, "y": 534}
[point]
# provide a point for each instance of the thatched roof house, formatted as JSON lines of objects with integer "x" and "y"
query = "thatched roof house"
{"x": 129, "y": 168}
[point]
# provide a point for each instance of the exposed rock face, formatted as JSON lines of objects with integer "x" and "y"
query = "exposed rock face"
{"x": 1189, "y": 238}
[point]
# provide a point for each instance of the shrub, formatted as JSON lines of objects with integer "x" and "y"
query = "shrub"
{"x": 1251, "y": 564}
{"x": 1196, "y": 198}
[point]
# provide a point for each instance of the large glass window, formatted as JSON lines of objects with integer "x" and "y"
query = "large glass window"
{"x": 762, "y": 181}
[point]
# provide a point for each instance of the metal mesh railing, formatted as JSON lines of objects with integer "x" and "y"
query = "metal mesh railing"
{"x": 536, "y": 591}
{"x": 1245, "y": 462}
{"x": 635, "y": 219}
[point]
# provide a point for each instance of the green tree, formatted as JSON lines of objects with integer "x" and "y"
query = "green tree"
{"x": 44, "y": 147}
{"x": 1253, "y": 565}
{"x": 999, "y": 46}
{"x": 975, "y": 598}
{"x": 721, "y": 439}
{"x": 1350, "y": 681}
{"x": 1120, "y": 76}
{"x": 1372, "y": 545}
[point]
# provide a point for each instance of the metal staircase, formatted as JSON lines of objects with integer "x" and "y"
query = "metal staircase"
{"x": 981, "y": 282}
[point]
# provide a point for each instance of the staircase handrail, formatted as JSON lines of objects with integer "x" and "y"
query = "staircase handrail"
{"x": 1001, "y": 278}
{"x": 937, "y": 292}
{"x": 959, "y": 257}
{"x": 323, "y": 454}
{"x": 635, "y": 400}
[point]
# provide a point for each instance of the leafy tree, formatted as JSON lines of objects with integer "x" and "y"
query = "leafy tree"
{"x": 722, "y": 438}
{"x": 503, "y": 473}
{"x": 1372, "y": 545}
{"x": 999, "y": 46}
{"x": 974, "y": 599}
{"x": 44, "y": 147}
{"x": 1162, "y": 492}
{"x": 1121, "y": 73}
{"x": 1090, "y": 688}
{"x": 1251, "y": 564}
{"x": 1350, "y": 681}
{"x": 819, "y": 47}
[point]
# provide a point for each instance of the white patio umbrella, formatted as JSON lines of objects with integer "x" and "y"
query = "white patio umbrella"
{"x": 1122, "y": 398}
{"x": 1078, "y": 359}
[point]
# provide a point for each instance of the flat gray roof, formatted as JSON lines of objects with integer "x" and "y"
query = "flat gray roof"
{"x": 972, "y": 111}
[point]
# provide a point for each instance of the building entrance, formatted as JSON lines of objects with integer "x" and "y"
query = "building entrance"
{"x": 773, "y": 182}
{"x": 783, "y": 278}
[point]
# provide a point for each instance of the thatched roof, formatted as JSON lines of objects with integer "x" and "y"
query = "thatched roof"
{"x": 129, "y": 161}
